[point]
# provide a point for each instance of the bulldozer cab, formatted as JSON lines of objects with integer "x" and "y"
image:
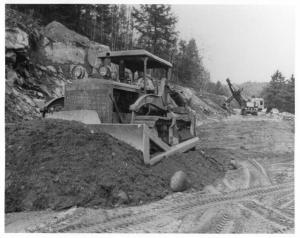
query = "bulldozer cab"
{"x": 131, "y": 80}
{"x": 134, "y": 67}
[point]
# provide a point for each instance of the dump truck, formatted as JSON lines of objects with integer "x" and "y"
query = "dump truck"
{"x": 248, "y": 106}
{"x": 131, "y": 105}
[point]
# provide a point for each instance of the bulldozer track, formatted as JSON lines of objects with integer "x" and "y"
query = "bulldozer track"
{"x": 179, "y": 207}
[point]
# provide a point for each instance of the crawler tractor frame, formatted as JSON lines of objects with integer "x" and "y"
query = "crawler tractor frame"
{"x": 136, "y": 110}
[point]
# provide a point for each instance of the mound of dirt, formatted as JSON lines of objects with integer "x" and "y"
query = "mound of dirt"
{"x": 58, "y": 164}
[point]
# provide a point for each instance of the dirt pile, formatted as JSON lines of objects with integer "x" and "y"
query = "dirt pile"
{"x": 281, "y": 116}
{"x": 59, "y": 164}
{"x": 208, "y": 106}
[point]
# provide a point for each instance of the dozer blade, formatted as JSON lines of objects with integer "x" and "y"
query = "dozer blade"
{"x": 179, "y": 148}
{"x": 84, "y": 116}
{"x": 132, "y": 134}
{"x": 139, "y": 137}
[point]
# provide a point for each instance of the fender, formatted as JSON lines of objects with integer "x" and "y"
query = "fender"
{"x": 153, "y": 99}
{"x": 55, "y": 101}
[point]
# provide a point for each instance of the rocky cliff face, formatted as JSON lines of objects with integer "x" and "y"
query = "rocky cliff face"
{"x": 39, "y": 61}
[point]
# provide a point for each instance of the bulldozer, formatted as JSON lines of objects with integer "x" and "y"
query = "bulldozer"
{"x": 248, "y": 106}
{"x": 130, "y": 105}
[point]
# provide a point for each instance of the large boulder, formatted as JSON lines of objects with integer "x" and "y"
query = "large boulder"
{"x": 62, "y": 53}
{"x": 61, "y": 45}
{"x": 16, "y": 39}
{"x": 57, "y": 32}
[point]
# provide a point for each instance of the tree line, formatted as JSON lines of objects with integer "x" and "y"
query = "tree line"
{"x": 108, "y": 24}
{"x": 124, "y": 27}
{"x": 280, "y": 93}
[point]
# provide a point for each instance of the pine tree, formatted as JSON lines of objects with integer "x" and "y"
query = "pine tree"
{"x": 280, "y": 93}
{"x": 111, "y": 25}
{"x": 290, "y": 95}
{"x": 219, "y": 89}
{"x": 273, "y": 91}
{"x": 188, "y": 66}
{"x": 123, "y": 32}
{"x": 156, "y": 27}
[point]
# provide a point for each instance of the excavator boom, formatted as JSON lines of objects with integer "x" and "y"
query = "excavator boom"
{"x": 236, "y": 94}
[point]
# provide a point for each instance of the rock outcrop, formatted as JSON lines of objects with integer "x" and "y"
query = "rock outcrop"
{"x": 16, "y": 39}
{"x": 62, "y": 47}
{"x": 39, "y": 61}
{"x": 207, "y": 106}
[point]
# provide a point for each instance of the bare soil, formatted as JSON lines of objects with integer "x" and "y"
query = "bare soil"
{"x": 256, "y": 197}
{"x": 56, "y": 164}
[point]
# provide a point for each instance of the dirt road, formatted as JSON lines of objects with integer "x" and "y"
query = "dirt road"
{"x": 256, "y": 197}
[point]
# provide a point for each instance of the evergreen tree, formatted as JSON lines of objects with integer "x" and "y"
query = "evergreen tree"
{"x": 280, "y": 93}
{"x": 188, "y": 66}
{"x": 219, "y": 89}
{"x": 290, "y": 95}
{"x": 156, "y": 27}
{"x": 122, "y": 28}
{"x": 273, "y": 91}
{"x": 108, "y": 24}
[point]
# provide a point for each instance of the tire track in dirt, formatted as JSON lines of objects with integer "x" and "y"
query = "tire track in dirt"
{"x": 269, "y": 214}
{"x": 288, "y": 208}
{"x": 187, "y": 208}
{"x": 126, "y": 218}
{"x": 221, "y": 223}
{"x": 238, "y": 227}
{"x": 261, "y": 170}
{"x": 281, "y": 202}
{"x": 258, "y": 176}
{"x": 280, "y": 211}
{"x": 287, "y": 205}
{"x": 213, "y": 221}
{"x": 144, "y": 215}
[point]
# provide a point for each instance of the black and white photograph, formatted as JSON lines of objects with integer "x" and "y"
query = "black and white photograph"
{"x": 140, "y": 117}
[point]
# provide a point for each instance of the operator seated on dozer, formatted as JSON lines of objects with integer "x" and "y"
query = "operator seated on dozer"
{"x": 149, "y": 83}
{"x": 106, "y": 71}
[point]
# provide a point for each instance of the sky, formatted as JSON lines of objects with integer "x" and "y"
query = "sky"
{"x": 241, "y": 42}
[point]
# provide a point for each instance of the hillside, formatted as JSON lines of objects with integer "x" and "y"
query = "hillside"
{"x": 252, "y": 88}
